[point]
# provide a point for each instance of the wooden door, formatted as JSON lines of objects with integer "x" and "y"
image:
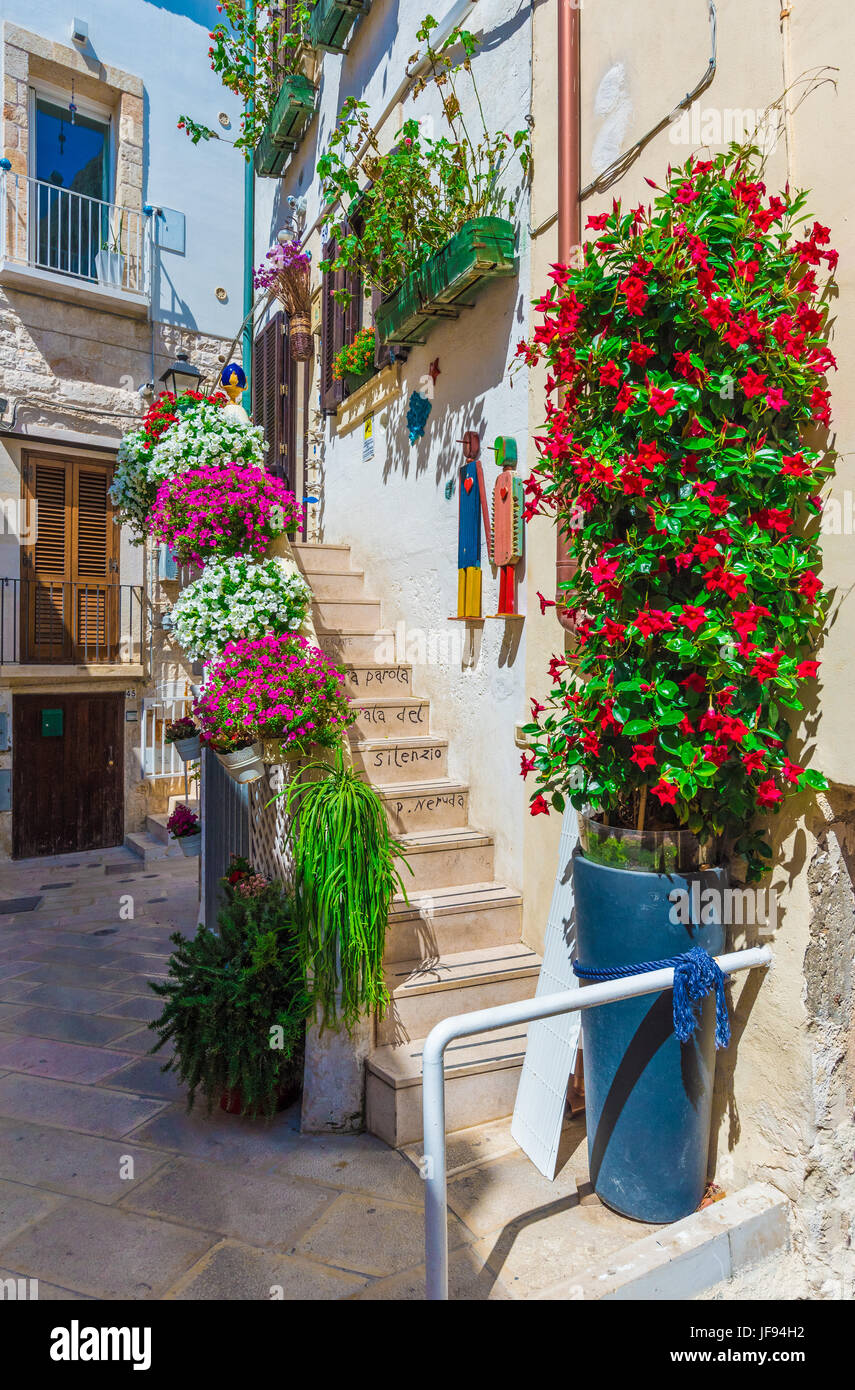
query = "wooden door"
{"x": 68, "y": 773}
{"x": 70, "y": 572}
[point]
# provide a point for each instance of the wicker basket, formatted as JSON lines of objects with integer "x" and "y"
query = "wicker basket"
{"x": 300, "y": 335}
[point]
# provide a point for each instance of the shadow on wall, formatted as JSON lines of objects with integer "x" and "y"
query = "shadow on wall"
{"x": 471, "y": 365}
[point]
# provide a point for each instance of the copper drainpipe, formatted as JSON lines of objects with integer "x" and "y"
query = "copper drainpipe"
{"x": 569, "y": 219}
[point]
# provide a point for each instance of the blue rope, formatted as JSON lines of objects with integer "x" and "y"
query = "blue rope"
{"x": 695, "y": 974}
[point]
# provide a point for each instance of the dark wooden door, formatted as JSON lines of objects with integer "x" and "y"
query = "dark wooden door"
{"x": 68, "y": 773}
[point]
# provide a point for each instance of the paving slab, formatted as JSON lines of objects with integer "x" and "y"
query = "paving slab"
{"x": 69, "y": 1027}
{"x": 44, "y": 1293}
{"x": 136, "y": 1007}
{"x": 233, "y": 1139}
{"x": 64, "y": 1061}
{"x": 469, "y": 1280}
{"x": 104, "y": 1251}
{"x": 89, "y": 976}
{"x": 237, "y": 1272}
{"x": 371, "y": 1236}
{"x": 19, "y": 1205}
{"x": 257, "y": 1210}
{"x": 144, "y": 1074}
{"x": 496, "y": 1193}
{"x": 79, "y": 1165}
{"x": 66, "y": 1105}
{"x": 354, "y": 1163}
{"x": 76, "y": 998}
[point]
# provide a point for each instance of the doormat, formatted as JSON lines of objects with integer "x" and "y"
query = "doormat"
{"x": 17, "y": 905}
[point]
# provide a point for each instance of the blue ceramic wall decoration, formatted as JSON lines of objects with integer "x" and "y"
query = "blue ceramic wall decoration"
{"x": 417, "y": 412}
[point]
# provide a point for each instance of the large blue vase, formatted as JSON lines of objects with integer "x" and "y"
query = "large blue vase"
{"x": 648, "y": 1097}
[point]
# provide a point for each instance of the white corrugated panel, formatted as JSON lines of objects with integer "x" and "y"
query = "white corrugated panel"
{"x": 550, "y": 1057}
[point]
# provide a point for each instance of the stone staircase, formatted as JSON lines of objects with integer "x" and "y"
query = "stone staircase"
{"x": 154, "y": 841}
{"x": 455, "y": 945}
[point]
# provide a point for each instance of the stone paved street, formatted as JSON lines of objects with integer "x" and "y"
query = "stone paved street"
{"x": 108, "y": 1189}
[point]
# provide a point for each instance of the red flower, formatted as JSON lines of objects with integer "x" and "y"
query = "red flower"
{"x": 536, "y": 709}
{"x": 766, "y": 665}
{"x": 545, "y": 602}
{"x": 775, "y": 398}
{"x": 610, "y": 374}
{"x": 598, "y": 222}
{"x": 539, "y": 807}
{"x": 665, "y": 792}
{"x": 809, "y": 585}
{"x": 794, "y": 466}
{"x": 768, "y": 794}
{"x": 753, "y": 383}
{"x": 626, "y": 395}
{"x": 694, "y": 682}
{"x": 791, "y": 771}
{"x": 807, "y": 669}
{"x": 591, "y": 744}
{"x": 526, "y": 765}
{"x": 641, "y": 354}
{"x": 635, "y": 294}
{"x": 642, "y": 755}
{"x": 717, "y": 312}
{"x": 650, "y": 620}
{"x": 662, "y": 401}
{"x": 754, "y": 761}
{"x": 692, "y": 617}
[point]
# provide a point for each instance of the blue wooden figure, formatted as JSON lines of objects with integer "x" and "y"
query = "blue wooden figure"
{"x": 473, "y": 511}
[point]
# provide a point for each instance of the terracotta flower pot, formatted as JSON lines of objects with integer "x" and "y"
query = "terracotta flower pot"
{"x": 244, "y": 764}
{"x": 232, "y": 1101}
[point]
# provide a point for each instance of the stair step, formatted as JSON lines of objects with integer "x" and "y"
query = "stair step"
{"x": 368, "y": 679}
{"x": 412, "y": 806}
{"x": 349, "y": 648}
{"x": 348, "y": 614}
{"x": 148, "y": 848}
{"x": 336, "y": 584}
{"x": 425, "y": 992}
{"x": 481, "y": 1079}
{"x": 313, "y": 557}
{"x": 390, "y": 760}
{"x": 444, "y": 921}
{"x": 447, "y": 858}
{"x": 387, "y": 716}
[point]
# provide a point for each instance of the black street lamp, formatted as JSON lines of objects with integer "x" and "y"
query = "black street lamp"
{"x": 182, "y": 375}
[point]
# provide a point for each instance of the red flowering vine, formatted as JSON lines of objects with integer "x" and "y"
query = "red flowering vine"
{"x": 686, "y": 363}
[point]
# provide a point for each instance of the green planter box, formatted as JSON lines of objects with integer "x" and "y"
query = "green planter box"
{"x": 483, "y": 250}
{"x": 332, "y": 20}
{"x": 295, "y": 106}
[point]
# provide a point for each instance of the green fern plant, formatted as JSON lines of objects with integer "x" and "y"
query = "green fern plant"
{"x": 345, "y": 879}
{"x": 235, "y": 1003}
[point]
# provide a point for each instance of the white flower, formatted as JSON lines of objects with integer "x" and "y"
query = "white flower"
{"x": 238, "y": 597}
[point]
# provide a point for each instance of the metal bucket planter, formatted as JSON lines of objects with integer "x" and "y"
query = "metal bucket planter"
{"x": 189, "y": 750}
{"x": 294, "y": 108}
{"x": 648, "y": 1097}
{"x": 190, "y": 845}
{"x": 244, "y": 764}
{"x": 481, "y": 251}
{"x": 332, "y": 20}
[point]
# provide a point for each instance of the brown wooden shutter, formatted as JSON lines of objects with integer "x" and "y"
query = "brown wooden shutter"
{"x": 69, "y": 599}
{"x": 268, "y": 404}
{"x": 332, "y": 332}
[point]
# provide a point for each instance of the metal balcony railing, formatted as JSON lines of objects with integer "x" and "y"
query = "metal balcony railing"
{"x": 56, "y": 621}
{"x": 56, "y": 229}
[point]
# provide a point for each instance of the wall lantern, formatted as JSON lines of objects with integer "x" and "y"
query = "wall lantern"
{"x": 181, "y": 375}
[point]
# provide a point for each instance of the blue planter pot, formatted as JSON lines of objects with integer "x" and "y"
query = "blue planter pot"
{"x": 648, "y": 1097}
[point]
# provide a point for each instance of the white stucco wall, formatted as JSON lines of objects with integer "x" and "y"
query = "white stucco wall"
{"x": 393, "y": 510}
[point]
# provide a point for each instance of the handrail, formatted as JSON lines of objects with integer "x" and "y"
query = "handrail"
{"x": 486, "y": 1021}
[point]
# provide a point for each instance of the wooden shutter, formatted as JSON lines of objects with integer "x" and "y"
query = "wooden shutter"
{"x": 332, "y": 332}
{"x": 268, "y": 398}
{"x": 69, "y": 600}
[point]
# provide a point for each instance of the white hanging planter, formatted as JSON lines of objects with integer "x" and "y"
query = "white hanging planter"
{"x": 191, "y": 845}
{"x": 189, "y": 750}
{"x": 244, "y": 764}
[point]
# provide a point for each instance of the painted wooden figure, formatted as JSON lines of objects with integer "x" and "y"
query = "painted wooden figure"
{"x": 507, "y": 546}
{"x": 473, "y": 510}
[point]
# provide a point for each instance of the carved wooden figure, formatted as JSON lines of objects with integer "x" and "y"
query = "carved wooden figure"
{"x": 473, "y": 511}
{"x": 507, "y": 546}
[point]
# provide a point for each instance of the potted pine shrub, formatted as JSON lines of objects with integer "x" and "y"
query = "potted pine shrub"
{"x": 681, "y": 459}
{"x": 235, "y": 1003}
{"x": 184, "y": 737}
{"x": 183, "y": 825}
{"x": 268, "y": 699}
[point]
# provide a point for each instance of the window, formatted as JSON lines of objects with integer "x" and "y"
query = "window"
{"x": 339, "y": 326}
{"x": 71, "y": 159}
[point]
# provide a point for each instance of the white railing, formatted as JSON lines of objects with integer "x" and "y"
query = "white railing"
{"x": 157, "y": 757}
{"x": 485, "y": 1021}
{"x": 67, "y": 233}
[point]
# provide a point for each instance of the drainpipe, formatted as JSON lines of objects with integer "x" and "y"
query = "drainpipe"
{"x": 569, "y": 220}
{"x": 248, "y": 238}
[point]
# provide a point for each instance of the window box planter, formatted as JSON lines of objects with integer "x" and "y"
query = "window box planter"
{"x": 353, "y": 380}
{"x": 332, "y": 20}
{"x": 295, "y": 106}
{"x": 482, "y": 250}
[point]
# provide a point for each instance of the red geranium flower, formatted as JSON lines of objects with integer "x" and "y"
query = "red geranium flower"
{"x": 665, "y": 792}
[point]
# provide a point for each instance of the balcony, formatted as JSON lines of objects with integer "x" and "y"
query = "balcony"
{"x": 71, "y": 624}
{"x": 69, "y": 246}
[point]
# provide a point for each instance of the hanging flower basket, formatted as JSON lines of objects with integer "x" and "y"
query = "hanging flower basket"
{"x": 332, "y": 20}
{"x": 294, "y": 108}
{"x": 483, "y": 250}
{"x": 300, "y": 337}
{"x": 243, "y": 764}
{"x": 286, "y": 271}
